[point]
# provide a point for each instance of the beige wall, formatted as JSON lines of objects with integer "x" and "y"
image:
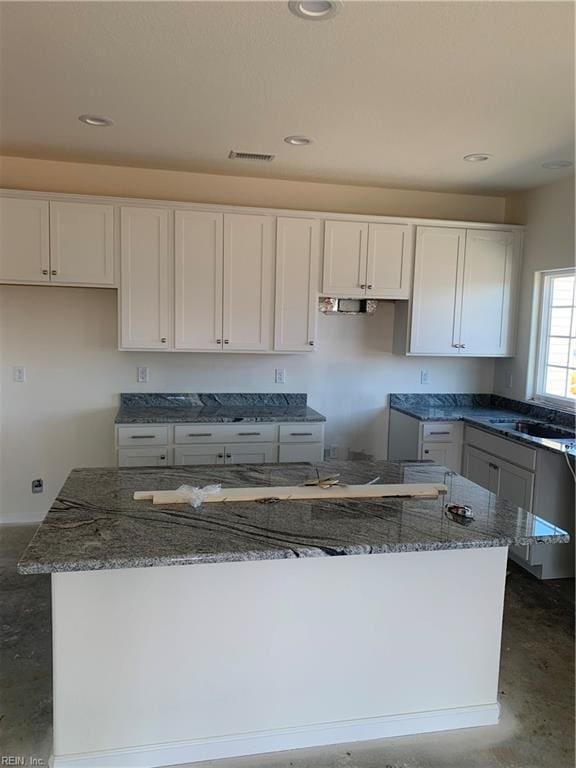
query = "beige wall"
{"x": 82, "y": 178}
{"x": 549, "y": 244}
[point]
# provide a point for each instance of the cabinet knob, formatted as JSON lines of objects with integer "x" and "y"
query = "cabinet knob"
{"x": 54, "y": 272}
{"x": 369, "y": 287}
{"x": 462, "y": 346}
{"x": 228, "y": 455}
{"x": 218, "y": 341}
{"x": 455, "y": 346}
{"x": 220, "y": 455}
{"x": 44, "y": 271}
{"x": 163, "y": 340}
{"x": 311, "y": 343}
{"x": 426, "y": 451}
{"x": 226, "y": 341}
{"x": 362, "y": 285}
{"x": 162, "y": 457}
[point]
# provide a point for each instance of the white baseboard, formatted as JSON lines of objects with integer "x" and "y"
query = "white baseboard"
{"x": 173, "y": 753}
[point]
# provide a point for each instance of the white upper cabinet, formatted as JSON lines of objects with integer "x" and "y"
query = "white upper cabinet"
{"x": 490, "y": 273}
{"x": 24, "y": 240}
{"x": 464, "y": 287}
{"x": 345, "y": 258}
{"x": 372, "y": 261}
{"x": 248, "y": 282}
{"x": 436, "y": 300}
{"x": 389, "y": 268}
{"x": 146, "y": 273}
{"x": 198, "y": 285}
{"x": 297, "y": 275}
{"x": 82, "y": 243}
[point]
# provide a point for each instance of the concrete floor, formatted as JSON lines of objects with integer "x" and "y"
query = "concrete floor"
{"x": 536, "y": 685}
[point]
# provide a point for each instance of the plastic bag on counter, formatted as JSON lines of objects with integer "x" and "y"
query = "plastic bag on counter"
{"x": 195, "y": 496}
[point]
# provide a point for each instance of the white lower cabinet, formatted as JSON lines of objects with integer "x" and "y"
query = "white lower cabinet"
{"x": 246, "y": 443}
{"x": 410, "y": 439}
{"x": 144, "y": 457}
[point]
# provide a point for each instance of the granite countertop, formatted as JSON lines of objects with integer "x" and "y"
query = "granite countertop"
{"x": 95, "y": 524}
{"x": 197, "y": 408}
{"x": 489, "y": 412}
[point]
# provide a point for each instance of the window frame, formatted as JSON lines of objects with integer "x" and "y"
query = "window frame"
{"x": 539, "y": 394}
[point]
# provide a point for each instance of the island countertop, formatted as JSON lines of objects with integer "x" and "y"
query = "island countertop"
{"x": 95, "y": 524}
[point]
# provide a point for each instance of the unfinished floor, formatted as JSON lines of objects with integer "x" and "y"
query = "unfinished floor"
{"x": 536, "y": 685}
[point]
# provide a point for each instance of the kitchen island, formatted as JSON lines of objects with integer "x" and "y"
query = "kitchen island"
{"x": 184, "y": 634}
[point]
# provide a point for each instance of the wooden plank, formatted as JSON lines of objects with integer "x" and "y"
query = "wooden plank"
{"x": 303, "y": 493}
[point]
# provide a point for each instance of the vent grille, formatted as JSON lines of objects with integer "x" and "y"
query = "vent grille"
{"x": 261, "y": 156}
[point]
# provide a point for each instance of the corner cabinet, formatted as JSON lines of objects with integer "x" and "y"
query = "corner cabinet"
{"x": 367, "y": 260}
{"x": 50, "y": 242}
{"x": 465, "y": 284}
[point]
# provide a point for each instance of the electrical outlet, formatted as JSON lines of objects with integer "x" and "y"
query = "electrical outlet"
{"x": 19, "y": 374}
{"x": 142, "y": 374}
{"x": 280, "y": 375}
{"x": 425, "y": 377}
{"x": 333, "y": 452}
{"x": 38, "y": 485}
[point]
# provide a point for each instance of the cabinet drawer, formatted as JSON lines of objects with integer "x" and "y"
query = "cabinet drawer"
{"x": 142, "y": 436}
{"x": 441, "y": 432}
{"x": 143, "y": 457}
{"x": 509, "y": 450}
{"x": 301, "y": 433}
{"x": 225, "y": 433}
{"x": 301, "y": 452}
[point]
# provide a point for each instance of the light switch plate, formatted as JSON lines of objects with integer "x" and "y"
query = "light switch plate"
{"x": 425, "y": 377}
{"x": 142, "y": 374}
{"x": 280, "y": 375}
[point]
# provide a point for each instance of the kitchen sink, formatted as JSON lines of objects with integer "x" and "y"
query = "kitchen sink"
{"x": 538, "y": 429}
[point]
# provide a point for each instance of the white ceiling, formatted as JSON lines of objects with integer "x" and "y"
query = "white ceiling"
{"x": 395, "y": 93}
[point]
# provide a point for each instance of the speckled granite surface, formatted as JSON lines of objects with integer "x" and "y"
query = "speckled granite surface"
{"x": 95, "y": 523}
{"x": 198, "y": 408}
{"x": 487, "y": 412}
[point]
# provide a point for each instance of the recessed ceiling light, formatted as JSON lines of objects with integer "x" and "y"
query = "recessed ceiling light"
{"x": 299, "y": 141}
{"x": 315, "y": 10}
{"x": 478, "y": 157}
{"x": 97, "y": 120}
{"x": 553, "y": 165}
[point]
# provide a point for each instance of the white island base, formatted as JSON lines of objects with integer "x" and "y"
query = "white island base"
{"x": 165, "y": 665}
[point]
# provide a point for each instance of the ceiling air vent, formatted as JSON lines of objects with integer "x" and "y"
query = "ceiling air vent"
{"x": 262, "y": 156}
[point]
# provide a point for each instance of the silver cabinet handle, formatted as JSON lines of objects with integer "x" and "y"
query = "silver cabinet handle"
{"x": 246, "y": 434}
{"x": 44, "y": 271}
{"x": 54, "y": 272}
{"x": 218, "y": 341}
{"x": 300, "y": 434}
{"x": 226, "y": 341}
{"x": 311, "y": 343}
{"x": 200, "y": 434}
{"x": 142, "y": 437}
{"x": 439, "y": 433}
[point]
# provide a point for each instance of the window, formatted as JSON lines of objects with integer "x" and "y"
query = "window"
{"x": 556, "y": 369}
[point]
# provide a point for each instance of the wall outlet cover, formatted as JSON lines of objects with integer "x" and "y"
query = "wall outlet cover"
{"x": 425, "y": 377}
{"x": 19, "y": 374}
{"x": 280, "y": 375}
{"x": 142, "y": 374}
{"x": 38, "y": 485}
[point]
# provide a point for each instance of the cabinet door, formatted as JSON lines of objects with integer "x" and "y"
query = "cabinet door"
{"x": 345, "y": 258}
{"x": 515, "y": 484}
{"x": 389, "y": 272}
{"x": 199, "y": 454}
{"x": 143, "y": 457}
{"x": 248, "y": 282}
{"x": 445, "y": 454}
{"x": 290, "y": 452}
{"x": 490, "y": 266}
{"x": 82, "y": 243}
{"x": 24, "y": 241}
{"x": 255, "y": 453}
{"x": 297, "y": 263}
{"x": 145, "y": 278}
{"x": 480, "y": 467}
{"x": 437, "y": 291}
{"x": 198, "y": 267}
